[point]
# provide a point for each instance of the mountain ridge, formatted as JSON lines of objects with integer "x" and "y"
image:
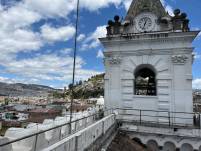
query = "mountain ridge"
{"x": 91, "y": 88}
{"x": 21, "y": 89}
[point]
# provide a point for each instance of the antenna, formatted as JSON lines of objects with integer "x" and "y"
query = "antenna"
{"x": 74, "y": 65}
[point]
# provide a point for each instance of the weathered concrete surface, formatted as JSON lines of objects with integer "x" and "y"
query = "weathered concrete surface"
{"x": 84, "y": 138}
{"x": 167, "y": 139}
{"x": 122, "y": 142}
{"x": 104, "y": 140}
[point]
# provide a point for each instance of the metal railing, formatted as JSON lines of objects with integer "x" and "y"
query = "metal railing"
{"x": 135, "y": 116}
{"x": 97, "y": 116}
{"x": 160, "y": 118}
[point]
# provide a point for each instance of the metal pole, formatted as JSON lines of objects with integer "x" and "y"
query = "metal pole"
{"x": 169, "y": 119}
{"x": 35, "y": 145}
{"x": 140, "y": 117}
{"x": 74, "y": 66}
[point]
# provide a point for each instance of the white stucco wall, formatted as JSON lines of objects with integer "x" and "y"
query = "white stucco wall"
{"x": 169, "y": 54}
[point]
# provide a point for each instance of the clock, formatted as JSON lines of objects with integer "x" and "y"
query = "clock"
{"x": 145, "y": 22}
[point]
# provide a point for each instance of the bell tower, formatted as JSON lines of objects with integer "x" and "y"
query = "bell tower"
{"x": 148, "y": 59}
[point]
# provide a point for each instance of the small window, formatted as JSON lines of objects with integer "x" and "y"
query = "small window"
{"x": 145, "y": 82}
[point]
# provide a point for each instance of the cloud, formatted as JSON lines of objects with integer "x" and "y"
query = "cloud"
{"x": 196, "y": 55}
{"x": 65, "y": 51}
{"x": 50, "y": 8}
{"x": 92, "y": 40}
{"x": 16, "y": 41}
{"x": 197, "y": 83}
{"x": 127, "y": 4}
{"x": 7, "y": 80}
{"x": 93, "y": 5}
{"x": 100, "y": 54}
{"x": 168, "y": 8}
{"x": 81, "y": 37}
{"x": 48, "y": 67}
{"x": 52, "y": 34}
{"x": 17, "y": 35}
{"x": 17, "y": 16}
{"x": 199, "y": 35}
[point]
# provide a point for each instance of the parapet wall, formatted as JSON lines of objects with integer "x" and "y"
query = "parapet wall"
{"x": 44, "y": 140}
{"x": 84, "y": 138}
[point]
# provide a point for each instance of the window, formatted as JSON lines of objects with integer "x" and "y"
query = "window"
{"x": 145, "y": 82}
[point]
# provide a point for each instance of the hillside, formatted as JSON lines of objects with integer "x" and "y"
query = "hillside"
{"x": 19, "y": 89}
{"x": 92, "y": 88}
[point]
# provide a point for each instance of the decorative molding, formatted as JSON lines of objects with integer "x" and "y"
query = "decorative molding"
{"x": 179, "y": 59}
{"x": 115, "y": 60}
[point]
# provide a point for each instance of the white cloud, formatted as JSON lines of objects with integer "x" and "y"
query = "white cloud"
{"x": 50, "y": 8}
{"x": 81, "y": 37}
{"x": 197, "y": 83}
{"x": 168, "y": 8}
{"x": 7, "y": 80}
{"x": 199, "y": 35}
{"x": 93, "y": 5}
{"x": 92, "y": 40}
{"x": 196, "y": 55}
{"x": 17, "y": 16}
{"x": 15, "y": 32}
{"x": 52, "y": 34}
{"x": 15, "y": 41}
{"x": 127, "y": 4}
{"x": 100, "y": 54}
{"x": 48, "y": 67}
{"x": 65, "y": 51}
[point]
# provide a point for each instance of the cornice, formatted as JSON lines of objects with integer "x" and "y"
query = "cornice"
{"x": 150, "y": 52}
{"x": 154, "y": 36}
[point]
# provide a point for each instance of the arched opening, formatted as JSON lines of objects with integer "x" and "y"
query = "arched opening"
{"x": 152, "y": 145}
{"x": 145, "y": 82}
{"x": 137, "y": 140}
{"x": 186, "y": 147}
{"x": 200, "y": 148}
{"x": 169, "y": 146}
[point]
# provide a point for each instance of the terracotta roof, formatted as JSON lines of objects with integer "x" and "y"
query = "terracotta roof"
{"x": 43, "y": 111}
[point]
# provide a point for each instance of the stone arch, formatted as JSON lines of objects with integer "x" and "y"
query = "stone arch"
{"x": 137, "y": 140}
{"x": 200, "y": 148}
{"x": 134, "y": 62}
{"x": 145, "y": 80}
{"x": 152, "y": 145}
{"x": 186, "y": 147}
{"x": 169, "y": 146}
{"x": 149, "y": 66}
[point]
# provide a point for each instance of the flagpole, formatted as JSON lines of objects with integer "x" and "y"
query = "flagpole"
{"x": 74, "y": 65}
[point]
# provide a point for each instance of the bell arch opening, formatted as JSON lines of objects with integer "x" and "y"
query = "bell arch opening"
{"x": 145, "y": 81}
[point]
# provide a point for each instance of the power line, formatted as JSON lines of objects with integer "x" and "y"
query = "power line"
{"x": 74, "y": 65}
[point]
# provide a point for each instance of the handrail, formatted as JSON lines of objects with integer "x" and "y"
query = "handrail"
{"x": 152, "y": 116}
{"x": 43, "y": 131}
{"x": 158, "y": 111}
{"x": 140, "y": 114}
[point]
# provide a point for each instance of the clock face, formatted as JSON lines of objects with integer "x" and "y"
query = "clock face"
{"x": 145, "y": 22}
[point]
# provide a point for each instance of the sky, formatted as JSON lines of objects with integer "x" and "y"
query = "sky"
{"x": 37, "y": 38}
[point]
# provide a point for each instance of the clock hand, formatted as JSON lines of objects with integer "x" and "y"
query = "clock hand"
{"x": 145, "y": 24}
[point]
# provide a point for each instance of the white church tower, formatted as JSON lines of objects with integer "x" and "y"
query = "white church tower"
{"x": 148, "y": 59}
